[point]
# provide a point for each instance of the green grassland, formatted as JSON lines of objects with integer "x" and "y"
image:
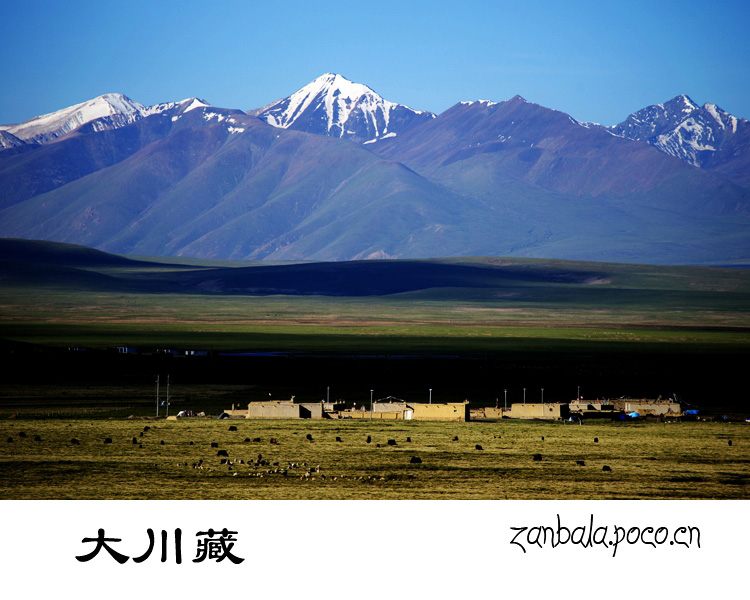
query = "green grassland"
{"x": 52, "y": 295}
{"x": 647, "y": 460}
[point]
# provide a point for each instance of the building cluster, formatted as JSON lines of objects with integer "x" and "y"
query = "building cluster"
{"x": 394, "y": 409}
{"x": 382, "y": 410}
{"x": 583, "y": 409}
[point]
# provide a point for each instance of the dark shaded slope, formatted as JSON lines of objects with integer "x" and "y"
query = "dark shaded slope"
{"x": 371, "y": 278}
{"x": 53, "y": 264}
{"x": 43, "y": 264}
{"x": 56, "y": 253}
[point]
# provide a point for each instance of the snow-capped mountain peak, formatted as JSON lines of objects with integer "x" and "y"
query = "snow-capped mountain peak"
{"x": 682, "y": 128}
{"x": 334, "y": 106}
{"x": 332, "y": 92}
{"x": 193, "y": 103}
{"x": 47, "y": 127}
{"x": 682, "y": 103}
{"x": 108, "y": 111}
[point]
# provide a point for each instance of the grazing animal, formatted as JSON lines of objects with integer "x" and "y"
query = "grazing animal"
{"x": 606, "y": 468}
{"x": 537, "y": 457}
{"x": 580, "y": 463}
{"x": 162, "y": 442}
{"x": 37, "y": 438}
{"x": 309, "y": 437}
{"x": 22, "y": 434}
{"x": 214, "y": 444}
{"x": 222, "y": 453}
{"x": 135, "y": 440}
{"x": 232, "y": 428}
{"x": 596, "y": 440}
{"x": 75, "y": 442}
{"x": 369, "y": 439}
{"x": 275, "y": 442}
{"x": 247, "y": 439}
{"x": 408, "y": 439}
{"x": 455, "y": 438}
{"x": 10, "y": 440}
{"x": 107, "y": 440}
{"x": 478, "y": 447}
{"x": 730, "y": 442}
{"x": 338, "y": 439}
{"x": 141, "y": 434}
{"x": 415, "y": 460}
{"x": 146, "y": 428}
{"x": 191, "y": 442}
{"x": 392, "y": 443}
{"x": 257, "y": 440}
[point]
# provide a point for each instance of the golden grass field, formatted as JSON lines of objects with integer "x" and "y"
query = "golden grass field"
{"x": 159, "y": 459}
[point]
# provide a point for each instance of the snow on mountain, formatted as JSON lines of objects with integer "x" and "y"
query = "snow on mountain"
{"x": 8, "y": 140}
{"x": 53, "y": 125}
{"x": 332, "y": 105}
{"x": 682, "y": 128}
{"x": 192, "y": 104}
{"x": 108, "y": 111}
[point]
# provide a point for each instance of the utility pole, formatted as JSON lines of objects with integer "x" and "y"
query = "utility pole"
{"x": 167, "y": 395}
{"x": 542, "y": 395}
{"x": 157, "y": 395}
{"x": 506, "y": 399}
{"x": 370, "y": 405}
{"x": 430, "y": 395}
{"x": 524, "y": 395}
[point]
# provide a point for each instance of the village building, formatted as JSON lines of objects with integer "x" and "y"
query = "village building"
{"x": 411, "y": 411}
{"x": 547, "y": 410}
{"x": 644, "y": 406}
{"x": 285, "y": 409}
{"x": 391, "y": 410}
{"x": 641, "y": 406}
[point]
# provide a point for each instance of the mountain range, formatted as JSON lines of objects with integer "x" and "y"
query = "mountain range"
{"x": 335, "y": 172}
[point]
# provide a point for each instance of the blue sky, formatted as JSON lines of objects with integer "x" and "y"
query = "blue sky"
{"x": 597, "y": 61}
